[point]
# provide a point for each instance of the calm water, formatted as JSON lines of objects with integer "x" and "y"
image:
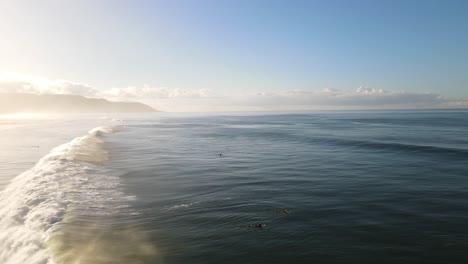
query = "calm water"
{"x": 361, "y": 187}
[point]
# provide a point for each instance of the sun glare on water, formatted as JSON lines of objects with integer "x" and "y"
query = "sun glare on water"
{"x": 24, "y": 116}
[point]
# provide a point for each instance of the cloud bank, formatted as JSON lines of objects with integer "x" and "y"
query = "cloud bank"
{"x": 175, "y": 99}
{"x": 361, "y": 98}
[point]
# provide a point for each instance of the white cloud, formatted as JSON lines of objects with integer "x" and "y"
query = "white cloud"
{"x": 20, "y": 83}
{"x": 360, "y": 98}
{"x": 153, "y": 92}
{"x": 175, "y": 99}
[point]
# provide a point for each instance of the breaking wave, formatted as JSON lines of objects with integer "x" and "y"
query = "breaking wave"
{"x": 69, "y": 178}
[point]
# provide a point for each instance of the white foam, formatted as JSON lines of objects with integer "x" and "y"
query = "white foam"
{"x": 37, "y": 200}
{"x": 100, "y": 130}
{"x": 183, "y": 205}
{"x": 112, "y": 119}
{"x": 188, "y": 205}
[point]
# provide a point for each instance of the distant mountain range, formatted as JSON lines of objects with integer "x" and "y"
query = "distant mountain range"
{"x": 33, "y": 103}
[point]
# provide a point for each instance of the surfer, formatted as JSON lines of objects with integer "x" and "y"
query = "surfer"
{"x": 259, "y": 226}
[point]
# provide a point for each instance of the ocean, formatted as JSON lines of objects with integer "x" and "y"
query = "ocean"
{"x": 358, "y": 187}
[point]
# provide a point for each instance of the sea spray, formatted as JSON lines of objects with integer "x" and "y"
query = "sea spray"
{"x": 38, "y": 199}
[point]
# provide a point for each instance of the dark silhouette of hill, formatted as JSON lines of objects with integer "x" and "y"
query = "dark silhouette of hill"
{"x": 32, "y": 103}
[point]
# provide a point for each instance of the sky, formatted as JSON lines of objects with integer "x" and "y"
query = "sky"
{"x": 240, "y": 55}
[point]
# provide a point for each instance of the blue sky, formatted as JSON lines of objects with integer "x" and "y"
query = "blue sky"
{"x": 235, "y": 47}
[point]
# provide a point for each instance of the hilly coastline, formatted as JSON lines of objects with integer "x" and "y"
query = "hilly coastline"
{"x": 27, "y": 103}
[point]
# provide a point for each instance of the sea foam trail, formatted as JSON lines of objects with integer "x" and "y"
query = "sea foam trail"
{"x": 37, "y": 200}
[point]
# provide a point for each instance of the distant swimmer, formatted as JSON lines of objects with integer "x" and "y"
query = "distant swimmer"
{"x": 220, "y": 154}
{"x": 259, "y": 226}
{"x": 283, "y": 211}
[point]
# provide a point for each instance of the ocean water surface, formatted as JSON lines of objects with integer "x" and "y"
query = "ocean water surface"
{"x": 360, "y": 187}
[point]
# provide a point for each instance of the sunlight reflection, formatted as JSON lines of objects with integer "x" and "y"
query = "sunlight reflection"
{"x": 25, "y": 116}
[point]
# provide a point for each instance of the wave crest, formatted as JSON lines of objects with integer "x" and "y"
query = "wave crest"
{"x": 37, "y": 200}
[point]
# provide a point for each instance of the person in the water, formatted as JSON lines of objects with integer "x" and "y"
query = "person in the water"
{"x": 284, "y": 211}
{"x": 261, "y": 225}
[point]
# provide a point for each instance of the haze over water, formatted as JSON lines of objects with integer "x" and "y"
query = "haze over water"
{"x": 295, "y": 150}
{"x": 361, "y": 187}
